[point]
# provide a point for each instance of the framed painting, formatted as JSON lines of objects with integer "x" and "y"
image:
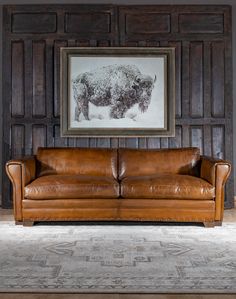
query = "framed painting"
{"x": 117, "y": 92}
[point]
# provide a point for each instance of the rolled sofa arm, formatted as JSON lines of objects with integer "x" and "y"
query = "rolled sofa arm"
{"x": 216, "y": 172}
{"x": 21, "y": 172}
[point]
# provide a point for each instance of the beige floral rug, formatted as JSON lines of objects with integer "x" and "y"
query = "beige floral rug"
{"x": 137, "y": 258}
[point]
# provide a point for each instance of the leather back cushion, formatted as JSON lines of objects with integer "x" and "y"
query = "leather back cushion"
{"x": 77, "y": 161}
{"x": 150, "y": 162}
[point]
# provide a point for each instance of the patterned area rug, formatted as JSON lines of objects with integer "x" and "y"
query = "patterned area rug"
{"x": 117, "y": 258}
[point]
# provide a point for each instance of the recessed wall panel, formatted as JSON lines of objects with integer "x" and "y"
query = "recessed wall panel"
{"x": 34, "y": 22}
{"x": 196, "y": 79}
{"x": 196, "y": 137}
{"x": 218, "y": 144}
{"x": 39, "y": 101}
{"x": 18, "y": 140}
{"x": 39, "y": 137}
{"x": 218, "y": 79}
{"x": 88, "y": 23}
{"x": 147, "y": 23}
{"x": 17, "y": 83}
{"x": 201, "y": 23}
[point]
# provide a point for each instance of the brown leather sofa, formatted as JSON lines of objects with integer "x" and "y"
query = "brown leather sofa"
{"x": 60, "y": 184}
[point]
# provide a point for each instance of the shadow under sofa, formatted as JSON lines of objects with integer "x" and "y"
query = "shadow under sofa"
{"x": 76, "y": 184}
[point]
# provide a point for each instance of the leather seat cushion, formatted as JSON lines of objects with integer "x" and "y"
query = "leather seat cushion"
{"x": 72, "y": 186}
{"x": 167, "y": 186}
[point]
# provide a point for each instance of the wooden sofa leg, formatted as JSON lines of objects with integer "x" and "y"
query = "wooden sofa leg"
{"x": 17, "y": 222}
{"x": 212, "y": 223}
{"x": 28, "y": 223}
{"x": 218, "y": 223}
{"x": 209, "y": 223}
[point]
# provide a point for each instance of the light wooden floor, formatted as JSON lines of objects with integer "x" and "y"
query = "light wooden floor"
{"x": 6, "y": 215}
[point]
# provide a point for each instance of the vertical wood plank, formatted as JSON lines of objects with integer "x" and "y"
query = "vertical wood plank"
{"x": 164, "y": 43}
{"x": 58, "y": 140}
{"x": 131, "y": 44}
{"x": 218, "y": 143}
{"x": 197, "y": 137}
{"x": 82, "y": 142}
{"x": 218, "y": 79}
{"x": 92, "y": 142}
{"x": 17, "y": 90}
{"x": 152, "y": 43}
{"x": 103, "y": 142}
{"x": 164, "y": 142}
{"x": 142, "y": 142}
{"x": 82, "y": 43}
{"x": 132, "y": 142}
{"x": 17, "y": 140}
{"x": 38, "y": 137}
{"x": 196, "y": 79}
{"x": 28, "y": 78}
{"x": 153, "y": 142}
{"x": 114, "y": 142}
{"x": 50, "y": 135}
{"x": 207, "y": 79}
{"x": 185, "y": 79}
{"x": 93, "y": 43}
{"x": 28, "y": 139}
{"x": 39, "y": 101}
{"x": 174, "y": 22}
{"x": 56, "y": 102}
{"x": 207, "y": 140}
{"x": 122, "y": 142}
{"x": 176, "y": 142}
{"x": 48, "y": 77}
{"x": 71, "y": 141}
{"x": 186, "y": 136}
{"x": 104, "y": 43}
{"x": 142, "y": 43}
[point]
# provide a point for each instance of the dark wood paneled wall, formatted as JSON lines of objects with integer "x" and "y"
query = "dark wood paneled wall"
{"x": 33, "y": 35}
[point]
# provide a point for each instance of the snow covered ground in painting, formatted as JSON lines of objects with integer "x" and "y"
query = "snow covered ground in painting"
{"x": 99, "y": 117}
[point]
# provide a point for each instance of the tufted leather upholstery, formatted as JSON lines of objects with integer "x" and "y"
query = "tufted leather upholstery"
{"x": 124, "y": 184}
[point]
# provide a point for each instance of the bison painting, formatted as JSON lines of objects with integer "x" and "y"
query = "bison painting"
{"x": 119, "y": 87}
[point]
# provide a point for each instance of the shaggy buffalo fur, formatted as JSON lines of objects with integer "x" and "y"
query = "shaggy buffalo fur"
{"x": 118, "y": 86}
